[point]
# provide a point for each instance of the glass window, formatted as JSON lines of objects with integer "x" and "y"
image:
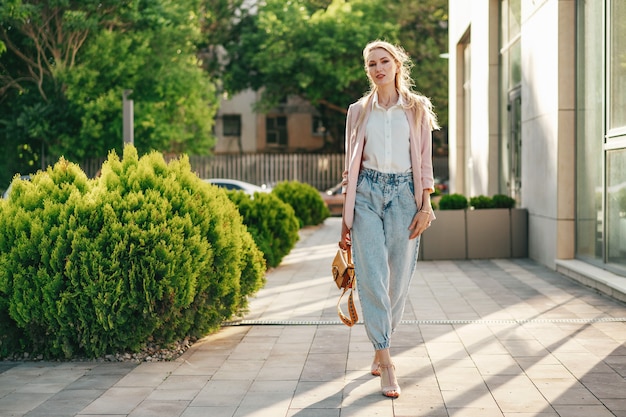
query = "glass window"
{"x": 318, "y": 126}
{"x": 276, "y": 130}
{"x": 231, "y": 125}
{"x": 616, "y": 207}
{"x": 617, "y": 72}
{"x": 511, "y": 18}
{"x": 510, "y": 99}
{"x": 514, "y": 17}
{"x": 467, "y": 117}
{"x": 590, "y": 132}
{"x": 515, "y": 63}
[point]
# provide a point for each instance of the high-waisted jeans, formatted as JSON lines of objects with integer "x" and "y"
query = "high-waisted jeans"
{"x": 384, "y": 257}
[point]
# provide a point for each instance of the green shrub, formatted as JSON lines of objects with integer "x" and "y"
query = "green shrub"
{"x": 34, "y": 244}
{"x": 503, "y": 201}
{"x": 271, "y": 222}
{"x": 306, "y": 201}
{"x": 452, "y": 202}
{"x": 481, "y": 202}
{"x": 147, "y": 252}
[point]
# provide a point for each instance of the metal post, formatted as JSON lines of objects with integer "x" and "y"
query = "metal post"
{"x": 128, "y": 118}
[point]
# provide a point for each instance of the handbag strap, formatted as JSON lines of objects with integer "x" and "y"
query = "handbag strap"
{"x": 350, "y": 271}
{"x": 354, "y": 317}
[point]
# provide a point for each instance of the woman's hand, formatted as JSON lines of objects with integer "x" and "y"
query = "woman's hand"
{"x": 345, "y": 236}
{"x": 421, "y": 222}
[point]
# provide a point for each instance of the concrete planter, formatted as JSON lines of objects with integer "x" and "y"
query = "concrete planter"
{"x": 446, "y": 237}
{"x": 476, "y": 234}
{"x": 488, "y": 233}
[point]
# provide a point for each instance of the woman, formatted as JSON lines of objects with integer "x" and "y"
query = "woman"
{"x": 387, "y": 185}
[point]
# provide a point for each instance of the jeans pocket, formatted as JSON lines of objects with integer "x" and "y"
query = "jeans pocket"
{"x": 360, "y": 180}
{"x": 408, "y": 190}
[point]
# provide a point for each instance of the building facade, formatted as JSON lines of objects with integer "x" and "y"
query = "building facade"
{"x": 538, "y": 112}
{"x": 290, "y": 127}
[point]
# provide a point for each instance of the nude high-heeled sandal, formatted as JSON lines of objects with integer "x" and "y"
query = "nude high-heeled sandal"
{"x": 375, "y": 369}
{"x": 388, "y": 382}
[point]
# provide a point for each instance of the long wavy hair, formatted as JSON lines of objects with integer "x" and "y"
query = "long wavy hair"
{"x": 403, "y": 81}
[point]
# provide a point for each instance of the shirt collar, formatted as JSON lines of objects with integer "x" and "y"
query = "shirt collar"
{"x": 400, "y": 102}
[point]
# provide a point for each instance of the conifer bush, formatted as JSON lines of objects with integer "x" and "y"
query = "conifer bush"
{"x": 503, "y": 201}
{"x": 146, "y": 252}
{"x": 481, "y": 202}
{"x": 271, "y": 222}
{"x": 453, "y": 202}
{"x": 306, "y": 201}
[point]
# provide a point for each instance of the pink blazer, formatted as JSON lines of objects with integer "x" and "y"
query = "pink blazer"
{"x": 421, "y": 154}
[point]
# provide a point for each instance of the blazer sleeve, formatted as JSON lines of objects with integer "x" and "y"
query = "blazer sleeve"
{"x": 349, "y": 144}
{"x": 426, "y": 151}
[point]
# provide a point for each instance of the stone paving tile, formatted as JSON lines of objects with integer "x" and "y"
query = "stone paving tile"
{"x": 494, "y": 364}
{"x": 222, "y": 393}
{"x": 159, "y": 408}
{"x": 193, "y": 411}
{"x": 474, "y": 412}
{"x": 565, "y": 391}
{"x": 583, "y": 411}
{"x": 581, "y": 364}
{"x": 502, "y": 338}
{"x": 169, "y": 394}
{"x": 65, "y": 403}
{"x": 605, "y": 385}
{"x": 475, "y": 398}
{"x": 118, "y": 401}
{"x": 542, "y": 414}
{"x": 314, "y": 412}
{"x": 514, "y": 394}
{"x": 19, "y": 404}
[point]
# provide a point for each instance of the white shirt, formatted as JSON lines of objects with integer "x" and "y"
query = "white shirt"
{"x": 387, "y": 139}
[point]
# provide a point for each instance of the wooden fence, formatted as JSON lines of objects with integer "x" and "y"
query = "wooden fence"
{"x": 321, "y": 171}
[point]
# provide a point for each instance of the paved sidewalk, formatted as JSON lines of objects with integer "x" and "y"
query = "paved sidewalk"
{"x": 501, "y": 338}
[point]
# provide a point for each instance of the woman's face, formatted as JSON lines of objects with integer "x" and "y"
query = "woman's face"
{"x": 381, "y": 67}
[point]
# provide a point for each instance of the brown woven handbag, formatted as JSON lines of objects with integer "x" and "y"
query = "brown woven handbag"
{"x": 344, "y": 277}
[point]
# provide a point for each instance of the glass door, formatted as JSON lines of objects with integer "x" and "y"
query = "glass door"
{"x": 514, "y": 145}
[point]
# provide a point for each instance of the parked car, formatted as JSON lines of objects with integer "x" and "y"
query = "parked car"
{"x": 441, "y": 185}
{"x": 6, "y": 193}
{"x": 334, "y": 200}
{"x": 237, "y": 185}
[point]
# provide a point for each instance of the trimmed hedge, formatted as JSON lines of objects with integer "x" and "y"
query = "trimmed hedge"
{"x": 306, "y": 201}
{"x": 503, "y": 201}
{"x": 481, "y": 202}
{"x": 459, "y": 202}
{"x": 146, "y": 252}
{"x": 453, "y": 202}
{"x": 271, "y": 222}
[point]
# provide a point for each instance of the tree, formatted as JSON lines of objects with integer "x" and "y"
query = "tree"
{"x": 221, "y": 22}
{"x": 424, "y": 35}
{"x": 47, "y": 36}
{"x": 312, "y": 49}
{"x": 68, "y": 62}
{"x": 296, "y": 48}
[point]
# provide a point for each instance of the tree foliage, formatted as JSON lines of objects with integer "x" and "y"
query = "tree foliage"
{"x": 298, "y": 48}
{"x": 67, "y": 64}
{"x": 424, "y": 34}
{"x": 312, "y": 49}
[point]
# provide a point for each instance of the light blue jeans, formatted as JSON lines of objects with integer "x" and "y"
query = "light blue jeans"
{"x": 384, "y": 257}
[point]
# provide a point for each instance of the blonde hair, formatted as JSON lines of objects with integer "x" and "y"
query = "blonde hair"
{"x": 403, "y": 81}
